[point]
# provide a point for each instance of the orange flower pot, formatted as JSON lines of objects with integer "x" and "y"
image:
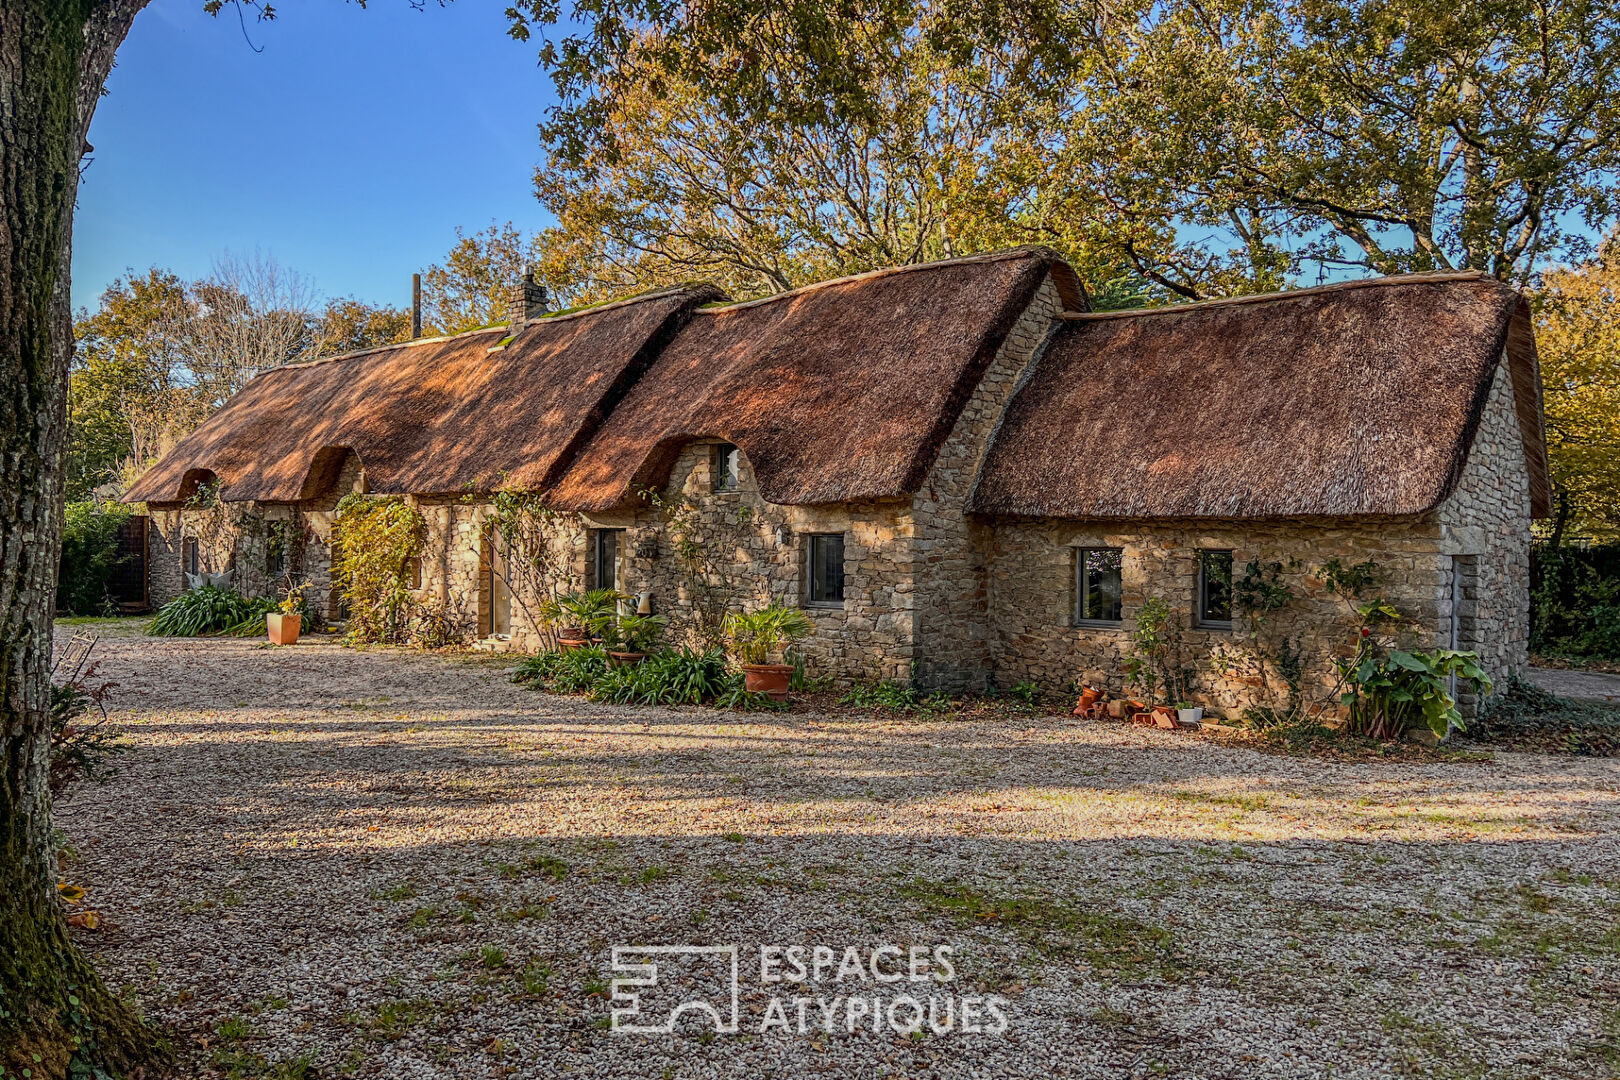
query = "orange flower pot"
{"x": 769, "y": 679}
{"x": 283, "y": 629}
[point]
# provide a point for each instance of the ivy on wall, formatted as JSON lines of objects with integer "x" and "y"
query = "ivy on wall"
{"x": 381, "y": 535}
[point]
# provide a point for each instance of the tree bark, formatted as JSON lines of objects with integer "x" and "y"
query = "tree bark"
{"x": 55, "y": 55}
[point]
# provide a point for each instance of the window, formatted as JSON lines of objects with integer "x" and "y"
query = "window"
{"x": 604, "y": 568}
{"x": 188, "y": 555}
{"x": 1098, "y": 586}
{"x": 413, "y": 571}
{"x": 727, "y": 466}
{"x": 824, "y": 580}
{"x": 275, "y": 555}
{"x": 1215, "y": 589}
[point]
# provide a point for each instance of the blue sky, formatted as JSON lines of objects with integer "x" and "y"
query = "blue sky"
{"x": 349, "y": 148}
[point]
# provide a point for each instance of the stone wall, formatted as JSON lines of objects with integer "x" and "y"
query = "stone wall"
{"x": 1034, "y": 583}
{"x": 955, "y": 644}
{"x": 1485, "y": 540}
{"x": 236, "y": 537}
{"x": 760, "y": 548}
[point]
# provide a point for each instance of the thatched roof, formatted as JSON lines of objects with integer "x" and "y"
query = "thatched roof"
{"x": 436, "y": 416}
{"x": 1354, "y": 399}
{"x": 839, "y": 392}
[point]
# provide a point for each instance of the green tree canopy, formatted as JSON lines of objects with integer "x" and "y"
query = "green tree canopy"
{"x": 1578, "y": 336}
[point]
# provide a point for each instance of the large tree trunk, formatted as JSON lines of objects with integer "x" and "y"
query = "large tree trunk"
{"x": 55, "y": 55}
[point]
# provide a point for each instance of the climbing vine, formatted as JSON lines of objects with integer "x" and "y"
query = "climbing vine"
{"x": 381, "y": 535}
{"x": 702, "y": 552}
{"x": 535, "y": 563}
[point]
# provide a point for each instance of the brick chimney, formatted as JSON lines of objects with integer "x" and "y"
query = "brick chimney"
{"x": 528, "y": 300}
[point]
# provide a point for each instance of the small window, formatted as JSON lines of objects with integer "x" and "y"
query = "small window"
{"x": 604, "y": 568}
{"x": 727, "y": 466}
{"x": 825, "y": 578}
{"x": 1099, "y": 587}
{"x": 413, "y": 572}
{"x": 275, "y": 556}
{"x": 188, "y": 555}
{"x": 1215, "y": 589}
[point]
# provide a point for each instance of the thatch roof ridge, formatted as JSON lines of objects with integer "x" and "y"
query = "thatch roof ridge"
{"x": 1435, "y": 276}
{"x": 692, "y": 287}
{"x": 1023, "y": 251}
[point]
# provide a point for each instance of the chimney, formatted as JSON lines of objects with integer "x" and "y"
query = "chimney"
{"x": 416, "y": 306}
{"x": 528, "y": 301}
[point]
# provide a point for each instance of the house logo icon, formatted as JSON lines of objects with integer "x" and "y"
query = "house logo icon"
{"x": 643, "y": 966}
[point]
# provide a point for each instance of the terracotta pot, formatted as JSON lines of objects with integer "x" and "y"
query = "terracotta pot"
{"x": 570, "y": 644}
{"x": 625, "y": 659}
{"x": 771, "y": 679}
{"x": 283, "y": 629}
{"x": 1143, "y": 718}
{"x": 573, "y": 633}
{"x": 1164, "y": 717}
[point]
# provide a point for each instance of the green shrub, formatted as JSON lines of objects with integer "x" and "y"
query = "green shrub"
{"x": 1388, "y": 694}
{"x": 381, "y": 535}
{"x": 669, "y": 677}
{"x": 897, "y": 696}
{"x": 1575, "y": 602}
{"x": 89, "y": 555}
{"x": 208, "y": 610}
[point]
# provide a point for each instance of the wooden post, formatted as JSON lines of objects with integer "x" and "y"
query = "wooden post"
{"x": 416, "y": 306}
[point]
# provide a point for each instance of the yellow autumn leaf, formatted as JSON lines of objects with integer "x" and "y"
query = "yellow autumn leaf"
{"x": 70, "y": 892}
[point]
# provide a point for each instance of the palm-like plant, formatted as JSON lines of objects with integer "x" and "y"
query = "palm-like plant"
{"x": 753, "y": 637}
{"x": 588, "y": 611}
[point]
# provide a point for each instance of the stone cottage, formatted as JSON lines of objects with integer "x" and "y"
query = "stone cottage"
{"x": 964, "y": 476}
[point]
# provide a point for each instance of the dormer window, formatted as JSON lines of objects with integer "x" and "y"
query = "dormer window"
{"x": 727, "y": 467}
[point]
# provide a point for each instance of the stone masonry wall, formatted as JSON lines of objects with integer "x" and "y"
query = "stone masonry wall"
{"x": 1033, "y": 584}
{"x": 763, "y": 547}
{"x": 955, "y": 644}
{"x": 1485, "y": 538}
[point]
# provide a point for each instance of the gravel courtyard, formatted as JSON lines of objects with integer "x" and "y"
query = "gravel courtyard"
{"x": 319, "y": 861}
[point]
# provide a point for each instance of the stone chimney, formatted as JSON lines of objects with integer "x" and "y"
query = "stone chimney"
{"x": 528, "y": 300}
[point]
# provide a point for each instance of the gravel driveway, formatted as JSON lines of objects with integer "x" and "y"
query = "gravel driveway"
{"x": 327, "y": 862}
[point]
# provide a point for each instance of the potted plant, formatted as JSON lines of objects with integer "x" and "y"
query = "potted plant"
{"x": 283, "y": 625}
{"x": 1188, "y": 714}
{"x": 632, "y": 637}
{"x": 582, "y": 616}
{"x": 753, "y": 638}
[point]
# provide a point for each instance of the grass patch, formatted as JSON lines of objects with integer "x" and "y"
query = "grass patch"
{"x": 406, "y": 891}
{"x": 392, "y": 1019}
{"x": 1109, "y": 943}
{"x": 246, "y": 1065}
